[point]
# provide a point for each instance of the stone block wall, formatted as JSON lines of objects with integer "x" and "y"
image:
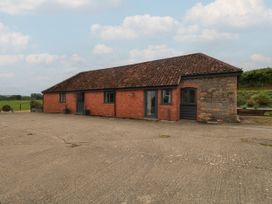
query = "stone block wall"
{"x": 216, "y": 98}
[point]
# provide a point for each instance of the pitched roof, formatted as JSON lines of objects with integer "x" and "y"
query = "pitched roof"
{"x": 163, "y": 72}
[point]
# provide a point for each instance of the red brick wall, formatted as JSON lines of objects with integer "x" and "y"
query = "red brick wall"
{"x": 52, "y": 104}
{"x": 130, "y": 104}
{"x": 94, "y": 101}
{"x": 169, "y": 112}
{"x": 216, "y": 99}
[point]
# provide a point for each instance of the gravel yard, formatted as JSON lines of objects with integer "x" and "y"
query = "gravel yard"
{"x": 55, "y": 158}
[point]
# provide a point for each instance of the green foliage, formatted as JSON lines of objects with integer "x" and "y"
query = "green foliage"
{"x": 6, "y": 108}
{"x": 244, "y": 106}
{"x": 25, "y": 98}
{"x": 256, "y": 78}
{"x": 243, "y": 97}
{"x": 15, "y": 104}
{"x": 251, "y": 103}
{"x": 13, "y": 97}
{"x": 254, "y": 98}
{"x": 36, "y": 104}
{"x": 36, "y": 96}
{"x": 262, "y": 99}
{"x": 268, "y": 113}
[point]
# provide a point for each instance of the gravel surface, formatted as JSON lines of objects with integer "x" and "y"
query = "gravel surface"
{"x": 55, "y": 158}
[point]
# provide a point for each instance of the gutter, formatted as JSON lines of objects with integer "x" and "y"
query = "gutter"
{"x": 105, "y": 89}
{"x": 207, "y": 75}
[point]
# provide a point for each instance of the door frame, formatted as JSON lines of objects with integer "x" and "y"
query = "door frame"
{"x": 77, "y": 102}
{"x": 196, "y": 101}
{"x": 155, "y": 116}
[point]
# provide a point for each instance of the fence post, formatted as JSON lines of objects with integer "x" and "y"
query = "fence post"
{"x": 20, "y": 107}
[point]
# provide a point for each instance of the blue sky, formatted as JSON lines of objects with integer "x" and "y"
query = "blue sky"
{"x": 45, "y": 41}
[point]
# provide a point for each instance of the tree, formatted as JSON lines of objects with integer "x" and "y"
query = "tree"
{"x": 36, "y": 96}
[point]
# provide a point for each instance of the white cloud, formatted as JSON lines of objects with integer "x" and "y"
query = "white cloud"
{"x": 78, "y": 4}
{"x": 14, "y": 7}
{"x": 6, "y": 74}
{"x": 152, "y": 52}
{"x": 256, "y": 61}
{"x": 10, "y": 59}
{"x": 73, "y": 3}
{"x": 76, "y": 58}
{"x": 258, "y": 58}
{"x": 237, "y": 13}
{"x": 135, "y": 26}
{"x": 19, "y": 6}
{"x": 12, "y": 40}
{"x": 102, "y": 49}
{"x": 196, "y": 34}
{"x": 43, "y": 58}
{"x": 47, "y": 59}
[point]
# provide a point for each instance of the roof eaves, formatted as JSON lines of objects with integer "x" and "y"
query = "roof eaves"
{"x": 233, "y": 73}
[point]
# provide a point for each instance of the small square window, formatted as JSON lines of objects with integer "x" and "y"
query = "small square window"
{"x": 62, "y": 97}
{"x": 166, "y": 96}
{"x": 109, "y": 97}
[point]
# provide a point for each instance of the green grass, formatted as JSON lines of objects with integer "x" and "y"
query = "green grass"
{"x": 15, "y": 105}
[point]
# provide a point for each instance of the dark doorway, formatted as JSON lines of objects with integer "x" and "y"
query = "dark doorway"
{"x": 151, "y": 104}
{"x": 188, "y": 107}
{"x": 80, "y": 102}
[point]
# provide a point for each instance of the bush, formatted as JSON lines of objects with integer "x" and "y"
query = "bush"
{"x": 262, "y": 99}
{"x": 6, "y": 108}
{"x": 241, "y": 99}
{"x": 268, "y": 113}
{"x": 36, "y": 104}
{"x": 36, "y": 96}
{"x": 256, "y": 78}
{"x": 244, "y": 106}
{"x": 251, "y": 102}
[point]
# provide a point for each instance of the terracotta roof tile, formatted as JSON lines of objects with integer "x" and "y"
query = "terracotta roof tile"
{"x": 164, "y": 72}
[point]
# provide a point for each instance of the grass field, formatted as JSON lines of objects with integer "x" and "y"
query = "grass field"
{"x": 16, "y": 104}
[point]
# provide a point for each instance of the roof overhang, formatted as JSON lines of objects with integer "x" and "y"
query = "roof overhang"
{"x": 209, "y": 75}
{"x": 105, "y": 89}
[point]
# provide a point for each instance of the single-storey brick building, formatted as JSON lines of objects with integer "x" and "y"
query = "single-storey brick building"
{"x": 193, "y": 86}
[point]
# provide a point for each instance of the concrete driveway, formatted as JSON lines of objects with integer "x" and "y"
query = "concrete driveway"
{"x": 47, "y": 158}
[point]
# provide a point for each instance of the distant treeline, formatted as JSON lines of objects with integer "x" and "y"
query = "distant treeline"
{"x": 34, "y": 96}
{"x": 256, "y": 78}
